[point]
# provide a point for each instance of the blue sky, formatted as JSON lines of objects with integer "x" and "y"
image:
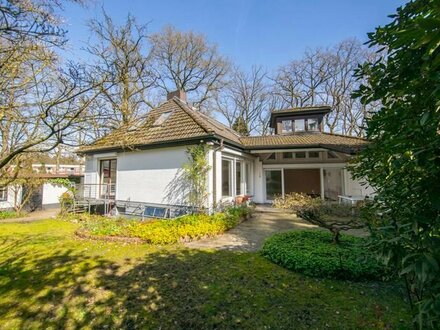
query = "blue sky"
{"x": 249, "y": 32}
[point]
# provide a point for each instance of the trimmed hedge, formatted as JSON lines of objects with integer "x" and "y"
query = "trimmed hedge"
{"x": 313, "y": 253}
{"x": 186, "y": 228}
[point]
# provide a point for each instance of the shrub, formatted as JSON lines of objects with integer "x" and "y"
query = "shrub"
{"x": 163, "y": 231}
{"x": 313, "y": 253}
{"x": 295, "y": 201}
{"x": 334, "y": 217}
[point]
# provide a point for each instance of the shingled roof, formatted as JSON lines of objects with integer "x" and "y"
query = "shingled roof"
{"x": 186, "y": 124}
{"x": 341, "y": 143}
{"x": 182, "y": 124}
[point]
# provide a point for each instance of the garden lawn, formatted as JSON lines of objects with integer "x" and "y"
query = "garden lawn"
{"x": 51, "y": 279}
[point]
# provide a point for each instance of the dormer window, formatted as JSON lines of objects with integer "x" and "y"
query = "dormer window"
{"x": 287, "y": 126}
{"x": 161, "y": 119}
{"x": 298, "y": 120}
{"x": 312, "y": 124}
{"x": 300, "y": 125}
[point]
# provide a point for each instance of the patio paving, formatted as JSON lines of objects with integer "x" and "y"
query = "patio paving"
{"x": 250, "y": 235}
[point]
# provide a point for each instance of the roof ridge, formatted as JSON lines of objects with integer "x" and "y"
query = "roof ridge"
{"x": 346, "y": 136}
{"x": 216, "y": 122}
{"x": 191, "y": 113}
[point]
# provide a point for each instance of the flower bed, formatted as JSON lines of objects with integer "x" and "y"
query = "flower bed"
{"x": 186, "y": 228}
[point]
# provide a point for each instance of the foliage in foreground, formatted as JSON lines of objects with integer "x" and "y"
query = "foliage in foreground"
{"x": 171, "y": 231}
{"x": 313, "y": 253}
{"x": 403, "y": 161}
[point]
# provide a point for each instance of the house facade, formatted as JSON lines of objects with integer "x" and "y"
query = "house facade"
{"x": 143, "y": 163}
{"x": 49, "y": 193}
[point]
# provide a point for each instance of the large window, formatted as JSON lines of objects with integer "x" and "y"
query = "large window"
{"x": 312, "y": 124}
{"x": 108, "y": 178}
{"x": 300, "y": 125}
{"x": 3, "y": 193}
{"x": 226, "y": 178}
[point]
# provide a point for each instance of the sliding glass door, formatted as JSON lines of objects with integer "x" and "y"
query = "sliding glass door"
{"x": 274, "y": 184}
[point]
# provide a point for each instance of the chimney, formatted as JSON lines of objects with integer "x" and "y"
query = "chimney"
{"x": 180, "y": 94}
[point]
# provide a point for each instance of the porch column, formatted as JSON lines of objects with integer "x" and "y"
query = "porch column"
{"x": 321, "y": 175}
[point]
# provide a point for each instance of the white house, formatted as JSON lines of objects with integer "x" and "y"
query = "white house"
{"x": 143, "y": 162}
{"x": 48, "y": 195}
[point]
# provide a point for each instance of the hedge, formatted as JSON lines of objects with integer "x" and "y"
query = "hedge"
{"x": 313, "y": 253}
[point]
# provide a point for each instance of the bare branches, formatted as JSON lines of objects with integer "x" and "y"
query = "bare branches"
{"x": 122, "y": 56}
{"x": 245, "y": 101}
{"x": 186, "y": 61}
{"x": 326, "y": 77}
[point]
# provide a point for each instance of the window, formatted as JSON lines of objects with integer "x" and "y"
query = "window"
{"x": 3, "y": 193}
{"x": 108, "y": 178}
{"x": 237, "y": 178}
{"x": 226, "y": 178}
{"x": 313, "y": 154}
{"x": 300, "y": 154}
{"x": 161, "y": 119}
{"x": 287, "y": 155}
{"x": 247, "y": 178}
{"x": 299, "y": 125}
{"x": 312, "y": 124}
{"x": 286, "y": 126}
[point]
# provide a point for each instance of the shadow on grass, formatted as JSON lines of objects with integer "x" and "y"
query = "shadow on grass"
{"x": 184, "y": 289}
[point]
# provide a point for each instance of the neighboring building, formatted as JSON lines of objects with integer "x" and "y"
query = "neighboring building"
{"x": 143, "y": 163}
{"x": 49, "y": 193}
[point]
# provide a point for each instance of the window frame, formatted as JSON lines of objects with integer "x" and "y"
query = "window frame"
{"x": 290, "y": 122}
{"x": 102, "y": 185}
{"x": 230, "y": 179}
{"x": 308, "y": 125}
{"x": 3, "y": 193}
{"x": 303, "y": 126}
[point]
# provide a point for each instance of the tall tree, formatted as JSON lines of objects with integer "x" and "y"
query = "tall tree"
{"x": 187, "y": 61}
{"x": 403, "y": 160}
{"x": 122, "y": 55}
{"x": 245, "y": 100}
{"x": 40, "y": 104}
{"x": 326, "y": 76}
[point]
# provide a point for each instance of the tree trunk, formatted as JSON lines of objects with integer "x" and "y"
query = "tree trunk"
{"x": 335, "y": 232}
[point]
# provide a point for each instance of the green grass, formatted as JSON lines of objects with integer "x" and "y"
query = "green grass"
{"x": 50, "y": 279}
{"x": 10, "y": 215}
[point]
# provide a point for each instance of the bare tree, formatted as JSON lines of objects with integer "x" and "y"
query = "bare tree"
{"x": 326, "y": 77}
{"x": 187, "y": 61}
{"x": 121, "y": 55}
{"x": 40, "y": 104}
{"x": 299, "y": 83}
{"x": 245, "y": 101}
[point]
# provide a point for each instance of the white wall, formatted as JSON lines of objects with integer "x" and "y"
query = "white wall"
{"x": 355, "y": 187}
{"x": 152, "y": 176}
{"x": 10, "y": 200}
{"x": 259, "y": 181}
{"x": 52, "y": 193}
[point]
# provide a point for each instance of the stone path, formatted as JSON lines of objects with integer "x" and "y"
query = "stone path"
{"x": 34, "y": 216}
{"x": 250, "y": 235}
